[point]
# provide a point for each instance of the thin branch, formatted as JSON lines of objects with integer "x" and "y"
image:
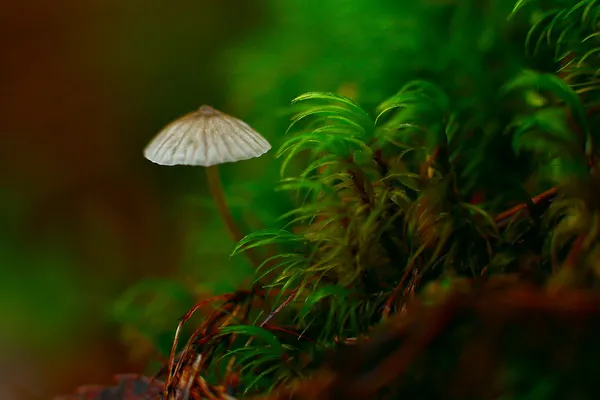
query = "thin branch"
{"x": 503, "y": 218}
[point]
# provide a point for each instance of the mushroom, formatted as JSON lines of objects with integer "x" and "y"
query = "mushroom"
{"x": 208, "y": 137}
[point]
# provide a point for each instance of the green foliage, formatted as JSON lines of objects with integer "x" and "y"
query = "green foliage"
{"x": 401, "y": 193}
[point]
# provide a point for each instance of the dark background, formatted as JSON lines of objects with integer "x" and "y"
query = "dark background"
{"x": 84, "y": 86}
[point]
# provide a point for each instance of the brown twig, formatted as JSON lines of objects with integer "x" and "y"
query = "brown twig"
{"x": 296, "y": 334}
{"x": 286, "y": 302}
{"x": 388, "y": 304}
{"x": 503, "y": 218}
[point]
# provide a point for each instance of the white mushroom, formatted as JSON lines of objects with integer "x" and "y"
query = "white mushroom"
{"x": 205, "y": 137}
{"x": 208, "y": 137}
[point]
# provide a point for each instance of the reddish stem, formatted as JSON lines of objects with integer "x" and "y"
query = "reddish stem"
{"x": 502, "y": 219}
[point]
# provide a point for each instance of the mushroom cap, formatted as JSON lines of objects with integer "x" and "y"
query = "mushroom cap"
{"x": 205, "y": 137}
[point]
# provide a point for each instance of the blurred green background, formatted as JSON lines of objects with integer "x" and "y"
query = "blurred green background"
{"x": 85, "y": 218}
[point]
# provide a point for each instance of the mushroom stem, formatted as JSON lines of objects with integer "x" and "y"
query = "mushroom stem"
{"x": 216, "y": 190}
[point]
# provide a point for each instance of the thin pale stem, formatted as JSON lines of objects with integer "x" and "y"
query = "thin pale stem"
{"x": 216, "y": 190}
